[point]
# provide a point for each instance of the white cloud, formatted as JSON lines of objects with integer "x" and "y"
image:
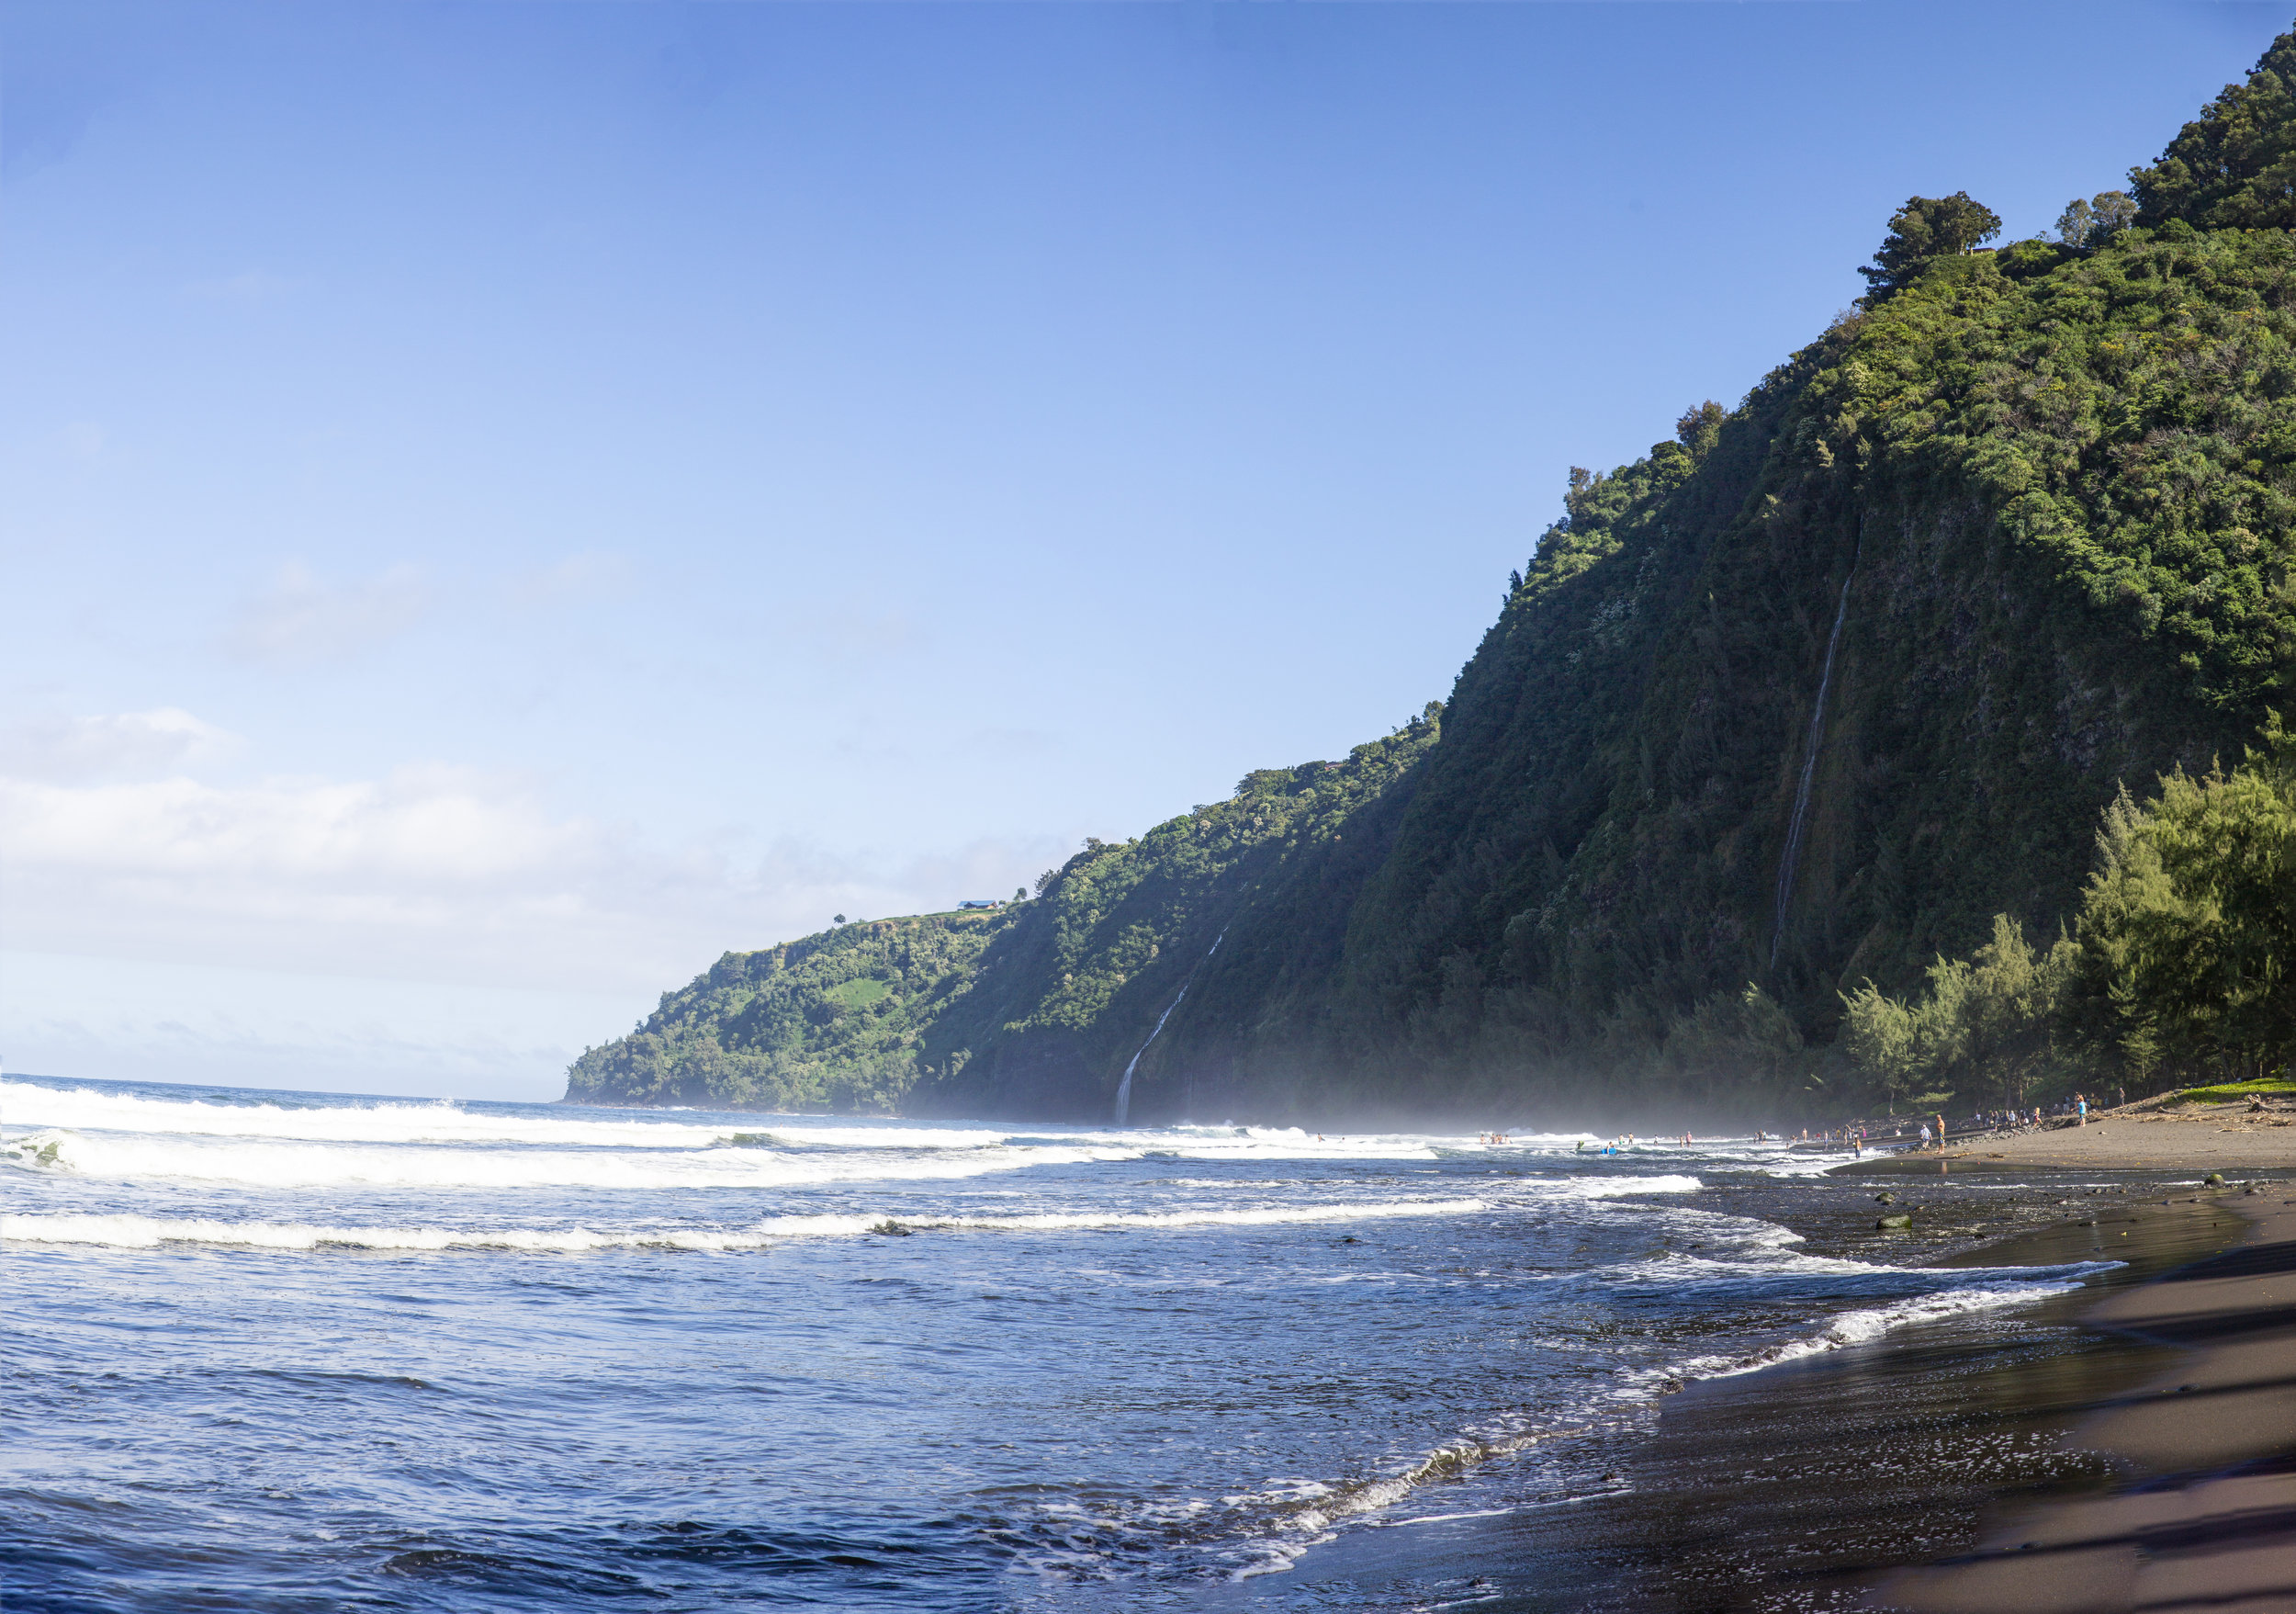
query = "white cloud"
{"x": 75, "y": 1016}
{"x": 432, "y": 873}
{"x": 164, "y": 739}
{"x": 302, "y": 619}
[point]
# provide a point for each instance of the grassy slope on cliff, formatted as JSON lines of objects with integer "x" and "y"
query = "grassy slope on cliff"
{"x": 829, "y": 1022}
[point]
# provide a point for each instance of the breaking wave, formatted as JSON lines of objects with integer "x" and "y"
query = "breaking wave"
{"x": 139, "y": 1232}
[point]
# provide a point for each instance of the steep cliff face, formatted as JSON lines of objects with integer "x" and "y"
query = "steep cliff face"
{"x": 1036, "y": 1010}
{"x": 1124, "y": 936}
{"x": 2035, "y": 515}
{"x": 1803, "y": 697}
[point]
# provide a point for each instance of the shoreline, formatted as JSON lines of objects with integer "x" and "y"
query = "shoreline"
{"x": 1849, "y": 1480}
{"x": 2202, "y": 1513}
{"x": 1902, "y": 1473}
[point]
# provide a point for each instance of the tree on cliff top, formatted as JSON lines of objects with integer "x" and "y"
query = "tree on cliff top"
{"x": 2093, "y": 222}
{"x": 2232, "y": 167}
{"x": 1926, "y": 228}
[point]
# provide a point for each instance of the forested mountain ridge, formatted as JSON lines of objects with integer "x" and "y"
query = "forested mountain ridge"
{"x": 831, "y": 1022}
{"x": 2026, "y": 519}
{"x": 1034, "y": 1008}
{"x": 2046, "y": 495}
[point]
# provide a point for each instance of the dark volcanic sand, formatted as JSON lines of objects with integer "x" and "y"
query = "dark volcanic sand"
{"x": 1804, "y": 1486}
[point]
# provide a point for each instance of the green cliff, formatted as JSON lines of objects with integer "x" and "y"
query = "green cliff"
{"x": 2024, "y": 522}
{"x": 1034, "y": 1009}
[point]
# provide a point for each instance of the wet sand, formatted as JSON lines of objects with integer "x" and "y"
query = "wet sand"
{"x": 2202, "y": 1514}
{"x": 1909, "y": 1475}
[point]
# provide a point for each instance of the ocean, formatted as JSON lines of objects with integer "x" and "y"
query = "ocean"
{"x": 300, "y": 1352}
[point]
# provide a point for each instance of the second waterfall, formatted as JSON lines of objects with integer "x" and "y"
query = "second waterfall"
{"x": 1124, "y": 1088}
{"x": 1795, "y": 825}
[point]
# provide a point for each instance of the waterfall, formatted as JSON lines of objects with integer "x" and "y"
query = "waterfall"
{"x": 1124, "y": 1088}
{"x": 1796, "y": 825}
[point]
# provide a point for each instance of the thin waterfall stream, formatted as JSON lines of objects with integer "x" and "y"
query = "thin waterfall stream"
{"x": 1124, "y": 1088}
{"x": 1796, "y": 825}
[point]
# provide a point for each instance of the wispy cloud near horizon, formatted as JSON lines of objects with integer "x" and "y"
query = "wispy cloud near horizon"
{"x": 429, "y": 872}
{"x": 302, "y": 619}
{"x": 71, "y": 749}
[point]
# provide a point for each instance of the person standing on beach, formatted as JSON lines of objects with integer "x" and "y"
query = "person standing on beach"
{"x": 2081, "y": 1104}
{"x": 1925, "y": 1135}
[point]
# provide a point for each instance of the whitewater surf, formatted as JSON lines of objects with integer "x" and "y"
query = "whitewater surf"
{"x": 428, "y": 1355}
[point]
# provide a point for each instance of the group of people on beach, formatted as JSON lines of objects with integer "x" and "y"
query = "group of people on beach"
{"x": 2076, "y": 1107}
{"x": 1933, "y": 1130}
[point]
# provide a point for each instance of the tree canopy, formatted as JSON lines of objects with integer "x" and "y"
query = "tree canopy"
{"x": 2181, "y": 963}
{"x": 1927, "y": 228}
{"x": 2188, "y": 929}
{"x": 2093, "y": 222}
{"x": 2234, "y": 168}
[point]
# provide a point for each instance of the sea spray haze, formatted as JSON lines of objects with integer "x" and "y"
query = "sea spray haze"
{"x": 291, "y": 1352}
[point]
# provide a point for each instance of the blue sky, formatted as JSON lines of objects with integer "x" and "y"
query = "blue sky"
{"x": 504, "y": 502}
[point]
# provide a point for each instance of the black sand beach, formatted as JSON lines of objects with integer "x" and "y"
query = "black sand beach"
{"x": 1897, "y": 1474}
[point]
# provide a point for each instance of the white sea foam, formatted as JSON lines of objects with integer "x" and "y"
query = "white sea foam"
{"x": 1860, "y": 1327}
{"x": 1310, "y": 1511}
{"x": 28, "y": 1105}
{"x": 125, "y": 1136}
{"x": 137, "y": 1231}
{"x": 1787, "y": 1164}
{"x": 283, "y": 1164}
{"x": 1269, "y": 1215}
{"x": 436, "y": 1121}
{"x": 1778, "y": 1263}
{"x": 35, "y": 1105}
{"x": 1612, "y": 1188}
{"x": 132, "y": 1232}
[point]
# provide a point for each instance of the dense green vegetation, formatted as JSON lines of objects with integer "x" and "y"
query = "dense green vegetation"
{"x": 2047, "y": 492}
{"x": 1927, "y": 228}
{"x": 2180, "y": 964}
{"x": 832, "y": 1023}
{"x": 2234, "y": 168}
{"x": 2187, "y": 933}
{"x": 1034, "y": 1008}
{"x": 1822, "y": 693}
{"x": 1984, "y": 1029}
